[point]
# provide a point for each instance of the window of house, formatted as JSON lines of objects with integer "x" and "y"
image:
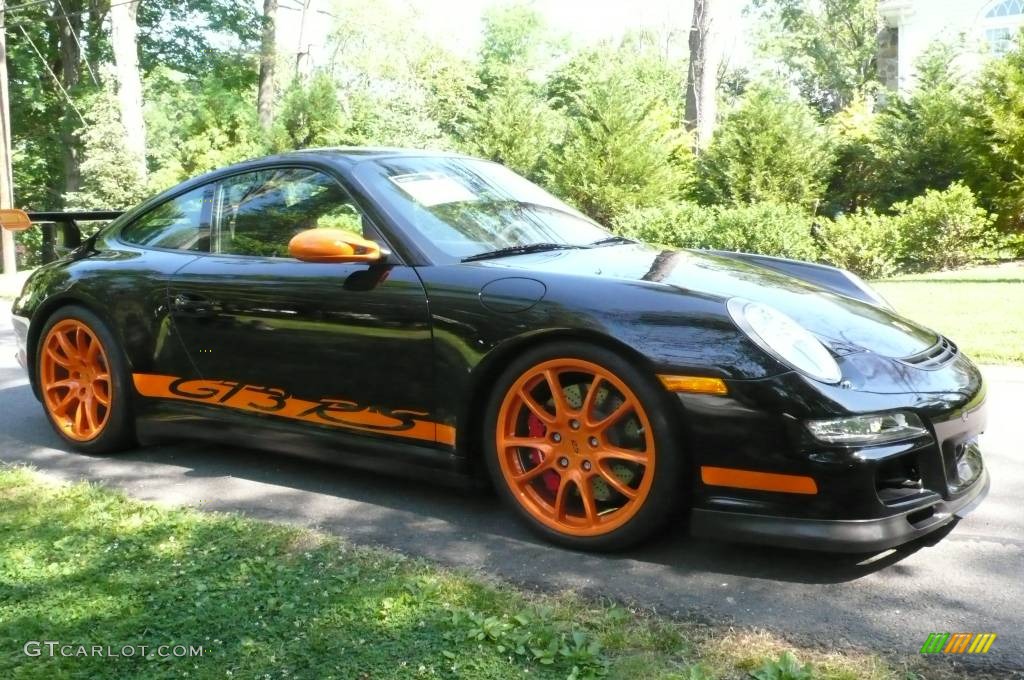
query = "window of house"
{"x": 1002, "y": 23}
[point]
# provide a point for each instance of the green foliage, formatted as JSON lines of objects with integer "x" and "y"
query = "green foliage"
{"x": 943, "y": 229}
{"x": 829, "y": 46}
{"x": 786, "y": 667}
{"x": 769, "y": 148}
{"x": 777, "y": 229}
{"x": 396, "y": 86}
{"x": 623, "y": 149}
{"x": 516, "y": 42}
{"x": 1002, "y": 112}
{"x": 110, "y": 180}
{"x": 194, "y": 126}
{"x": 310, "y": 115}
{"x": 929, "y": 138}
{"x": 514, "y": 126}
{"x": 768, "y": 228}
{"x": 511, "y": 120}
{"x": 855, "y": 179}
{"x": 680, "y": 224}
{"x": 863, "y": 242}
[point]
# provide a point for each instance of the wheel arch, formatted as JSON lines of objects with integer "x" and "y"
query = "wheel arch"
{"x": 46, "y": 309}
{"x": 470, "y": 419}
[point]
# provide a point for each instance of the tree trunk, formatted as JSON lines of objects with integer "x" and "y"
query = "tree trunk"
{"x": 123, "y": 40}
{"x": 268, "y": 53}
{"x": 6, "y": 176}
{"x": 70, "y": 74}
{"x": 702, "y": 75}
{"x": 94, "y": 27}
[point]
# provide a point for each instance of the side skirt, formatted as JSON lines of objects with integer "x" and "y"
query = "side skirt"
{"x": 160, "y": 420}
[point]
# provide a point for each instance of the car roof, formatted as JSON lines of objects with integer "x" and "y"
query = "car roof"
{"x": 350, "y": 155}
{"x": 344, "y": 157}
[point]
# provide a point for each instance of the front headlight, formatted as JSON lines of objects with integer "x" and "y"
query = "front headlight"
{"x": 875, "y": 428}
{"x": 785, "y": 339}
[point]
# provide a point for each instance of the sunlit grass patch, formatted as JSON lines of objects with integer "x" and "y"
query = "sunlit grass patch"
{"x": 84, "y": 565}
{"x": 981, "y": 309}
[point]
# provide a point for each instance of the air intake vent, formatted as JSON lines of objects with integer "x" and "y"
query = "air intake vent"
{"x": 936, "y": 356}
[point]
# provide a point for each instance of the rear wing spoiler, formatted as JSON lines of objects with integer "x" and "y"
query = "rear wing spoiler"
{"x": 61, "y": 232}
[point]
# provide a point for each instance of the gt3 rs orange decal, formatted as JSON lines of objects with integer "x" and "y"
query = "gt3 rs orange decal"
{"x": 275, "y": 401}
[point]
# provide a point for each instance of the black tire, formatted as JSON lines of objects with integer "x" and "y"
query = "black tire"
{"x": 118, "y": 433}
{"x": 664, "y": 500}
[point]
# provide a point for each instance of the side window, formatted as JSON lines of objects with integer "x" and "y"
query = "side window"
{"x": 183, "y": 223}
{"x": 259, "y": 212}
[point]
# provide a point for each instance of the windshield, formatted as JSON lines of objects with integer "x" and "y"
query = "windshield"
{"x": 462, "y": 207}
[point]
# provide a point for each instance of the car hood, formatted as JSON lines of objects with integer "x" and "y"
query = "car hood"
{"x": 845, "y": 324}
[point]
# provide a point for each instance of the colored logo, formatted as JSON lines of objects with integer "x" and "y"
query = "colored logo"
{"x": 958, "y": 643}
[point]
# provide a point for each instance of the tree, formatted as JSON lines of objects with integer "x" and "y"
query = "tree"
{"x": 1001, "y": 181}
{"x": 702, "y": 74}
{"x": 830, "y": 46}
{"x": 624, "y": 146}
{"x": 929, "y": 138}
{"x": 855, "y": 183}
{"x": 310, "y": 115}
{"x": 770, "y": 148}
{"x": 511, "y": 121}
{"x": 108, "y": 183}
{"x": 123, "y": 40}
{"x": 268, "y": 53}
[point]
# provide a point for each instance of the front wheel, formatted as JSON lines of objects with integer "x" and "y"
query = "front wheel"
{"x": 84, "y": 382}
{"x": 580, "y": 443}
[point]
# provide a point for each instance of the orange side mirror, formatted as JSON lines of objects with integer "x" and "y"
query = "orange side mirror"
{"x": 332, "y": 245}
{"x": 13, "y": 219}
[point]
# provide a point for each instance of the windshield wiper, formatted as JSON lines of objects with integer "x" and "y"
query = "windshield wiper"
{"x": 521, "y": 250}
{"x": 612, "y": 239}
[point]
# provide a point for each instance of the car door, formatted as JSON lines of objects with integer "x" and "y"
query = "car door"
{"x": 343, "y": 345}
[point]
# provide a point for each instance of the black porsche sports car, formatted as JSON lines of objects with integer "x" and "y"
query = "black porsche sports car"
{"x": 439, "y": 314}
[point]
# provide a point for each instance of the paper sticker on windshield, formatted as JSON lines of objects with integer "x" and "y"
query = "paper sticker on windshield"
{"x": 433, "y": 188}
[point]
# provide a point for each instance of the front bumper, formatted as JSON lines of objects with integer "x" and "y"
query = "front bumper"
{"x": 856, "y": 498}
{"x": 838, "y": 535}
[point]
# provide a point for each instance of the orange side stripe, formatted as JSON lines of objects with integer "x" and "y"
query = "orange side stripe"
{"x": 758, "y": 481}
{"x": 275, "y": 402}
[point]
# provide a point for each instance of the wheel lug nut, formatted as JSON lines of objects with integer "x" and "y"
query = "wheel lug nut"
{"x": 586, "y": 465}
{"x": 593, "y": 442}
{"x": 574, "y": 424}
{"x": 563, "y": 461}
{"x": 556, "y": 437}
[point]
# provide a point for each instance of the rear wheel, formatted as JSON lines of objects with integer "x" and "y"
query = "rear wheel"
{"x": 579, "y": 442}
{"x": 84, "y": 382}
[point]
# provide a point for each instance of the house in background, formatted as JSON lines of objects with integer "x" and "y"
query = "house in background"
{"x": 985, "y": 27}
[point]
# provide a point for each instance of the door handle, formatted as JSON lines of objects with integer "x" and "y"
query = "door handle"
{"x": 187, "y": 303}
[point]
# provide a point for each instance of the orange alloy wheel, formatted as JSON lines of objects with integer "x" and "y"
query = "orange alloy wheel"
{"x": 75, "y": 380}
{"x": 575, "y": 447}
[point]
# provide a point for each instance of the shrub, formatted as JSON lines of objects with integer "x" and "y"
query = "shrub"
{"x": 943, "y": 229}
{"x": 864, "y": 242}
{"x": 770, "y": 148}
{"x": 675, "y": 225}
{"x": 765, "y": 228}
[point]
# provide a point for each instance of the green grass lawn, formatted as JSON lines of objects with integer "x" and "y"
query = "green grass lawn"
{"x": 83, "y": 565}
{"x": 980, "y": 309}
